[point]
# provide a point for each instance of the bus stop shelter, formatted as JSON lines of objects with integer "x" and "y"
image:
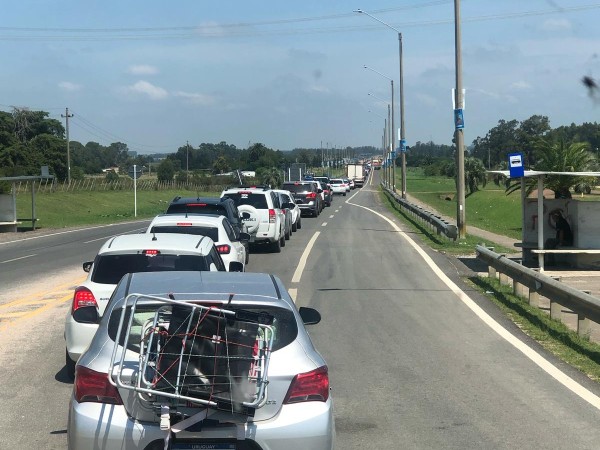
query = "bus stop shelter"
{"x": 8, "y": 202}
{"x": 587, "y": 234}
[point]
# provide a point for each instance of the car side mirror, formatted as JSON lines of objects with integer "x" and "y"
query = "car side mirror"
{"x": 310, "y": 316}
{"x": 87, "y": 266}
{"x": 244, "y": 237}
{"x": 236, "y": 266}
{"x": 86, "y": 314}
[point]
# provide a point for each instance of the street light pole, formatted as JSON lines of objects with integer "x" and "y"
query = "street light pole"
{"x": 402, "y": 145}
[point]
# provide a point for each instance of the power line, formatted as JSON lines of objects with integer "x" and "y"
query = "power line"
{"x": 246, "y": 29}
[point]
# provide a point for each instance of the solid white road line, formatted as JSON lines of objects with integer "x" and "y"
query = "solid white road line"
{"x": 530, "y": 353}
{"x": 304, "y": 258}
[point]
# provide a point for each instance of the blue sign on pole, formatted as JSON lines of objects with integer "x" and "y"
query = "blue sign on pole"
{"x": 515, "y": 165}
{"x": 403, "y": 145}
{"x": 459, "y": 120}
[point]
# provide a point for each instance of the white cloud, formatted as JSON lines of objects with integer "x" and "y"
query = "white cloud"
{"x": 317, "y": 88}
{"x": 142, "y": 69}
{"x": 521, "y": 84}
{"x": 195, "y": 98}
{"x": 556, "y": 25}
{"x": 68, "y": 86}
{"x": 144, "y": 88}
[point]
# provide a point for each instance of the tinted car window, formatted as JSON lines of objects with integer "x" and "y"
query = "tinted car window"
{"x": 248, "y": 198}
{"x": 211, "y": 232}
{"x": 198, "y": 208}
{"x": 229, "y": 230}
{"x": 109, "y": 269}
{"x": 297, "y": 188}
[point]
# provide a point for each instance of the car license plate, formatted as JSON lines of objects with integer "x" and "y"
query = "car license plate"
{"x": 202, "y": 446}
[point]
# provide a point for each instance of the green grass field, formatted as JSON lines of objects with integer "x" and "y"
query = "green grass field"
{"x": 489, "y": 209}
{"x": 67, "y": 209}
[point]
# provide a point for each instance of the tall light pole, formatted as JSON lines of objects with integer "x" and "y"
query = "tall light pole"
{"x": 402, "y": 145}
{"x": 391, "y": 143}
{"x": 459, "y": 137}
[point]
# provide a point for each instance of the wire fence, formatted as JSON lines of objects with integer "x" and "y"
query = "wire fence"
{"x": 96, "y": 184}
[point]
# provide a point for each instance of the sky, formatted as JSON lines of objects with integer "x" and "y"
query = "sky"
{"x": 291, "y": 74}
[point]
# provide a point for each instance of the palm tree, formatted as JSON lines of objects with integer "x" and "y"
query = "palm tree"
{"x": 558, "y": 156}
{"x": 474, "y": 174}
{"x": 271, "y": 176}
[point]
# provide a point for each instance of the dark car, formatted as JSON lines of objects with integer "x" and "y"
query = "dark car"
{"x": 327, "y": 192}
{"x": 210, "y": 206}
{"x": 306, "y": 195}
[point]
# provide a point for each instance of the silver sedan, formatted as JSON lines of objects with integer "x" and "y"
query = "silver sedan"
{"x": 187, "y": 360}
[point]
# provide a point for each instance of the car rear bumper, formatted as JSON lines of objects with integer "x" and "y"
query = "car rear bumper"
{"x": 300, "y": 426}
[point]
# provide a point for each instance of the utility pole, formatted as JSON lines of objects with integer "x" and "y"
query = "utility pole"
{"x": 402, "y": 130}
{"x": 66, "y": 117}
{"x": 187, "y": 161}
{"x": 459, "y": 130}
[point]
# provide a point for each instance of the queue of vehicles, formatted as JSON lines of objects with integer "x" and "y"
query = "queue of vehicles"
{"x": 168, "y": 353}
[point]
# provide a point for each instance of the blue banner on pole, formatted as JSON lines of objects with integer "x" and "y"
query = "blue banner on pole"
{"x": 459, "y": 120}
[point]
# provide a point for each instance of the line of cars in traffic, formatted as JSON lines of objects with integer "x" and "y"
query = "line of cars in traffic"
{"x": 189, "y": 256}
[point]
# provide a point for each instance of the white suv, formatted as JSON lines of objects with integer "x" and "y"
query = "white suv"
{"x": 126, "y": 254}
{"x": 261, "y": 211}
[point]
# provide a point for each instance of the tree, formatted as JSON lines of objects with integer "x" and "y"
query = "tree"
{"x": 165, "y": 170}
{"x": 271, "y": 176}
{"x": 221, "y": 165}
{"x": 475, "y": 174}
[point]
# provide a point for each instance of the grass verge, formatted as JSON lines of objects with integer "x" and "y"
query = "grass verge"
{"x": 68, "y": 209}
{"x": 552, "y": 334}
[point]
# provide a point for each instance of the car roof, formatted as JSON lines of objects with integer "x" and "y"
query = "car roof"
{"x": 237, "y": 287}
{"x": 181, "y": 243}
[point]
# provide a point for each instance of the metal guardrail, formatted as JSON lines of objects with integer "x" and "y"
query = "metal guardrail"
{"x": 441, "y": 226}
{"x": 581, "y": 303}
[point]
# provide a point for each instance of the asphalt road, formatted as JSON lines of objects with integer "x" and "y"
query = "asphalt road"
{"x": 415, "y": 362}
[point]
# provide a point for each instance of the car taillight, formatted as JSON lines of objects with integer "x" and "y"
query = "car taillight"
{"x": 311, "y": 386}
{"x": 311, "y": 195}
{"x": 151, "y": 252}
{"x": 94, "y": 387}
{"x": 83, "y": 297}
{"x": 223, "y": 249}
{"x": 272, "y": 216}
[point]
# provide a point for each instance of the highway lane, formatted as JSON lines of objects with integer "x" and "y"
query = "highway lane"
{"x": 51, "y": 253}
{"x": 411, "y": 365}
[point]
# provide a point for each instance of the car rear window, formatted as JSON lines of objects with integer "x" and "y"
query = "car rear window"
{"x": 211, "y": 232}
{"x": 109, "y": 269}
{"x": 298, "y": 188}
{"x": 197, "y": 208}
{"x": 284, "y": 324}
{"x": 336, "y": 181}
{"x": 258, "y": 200}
